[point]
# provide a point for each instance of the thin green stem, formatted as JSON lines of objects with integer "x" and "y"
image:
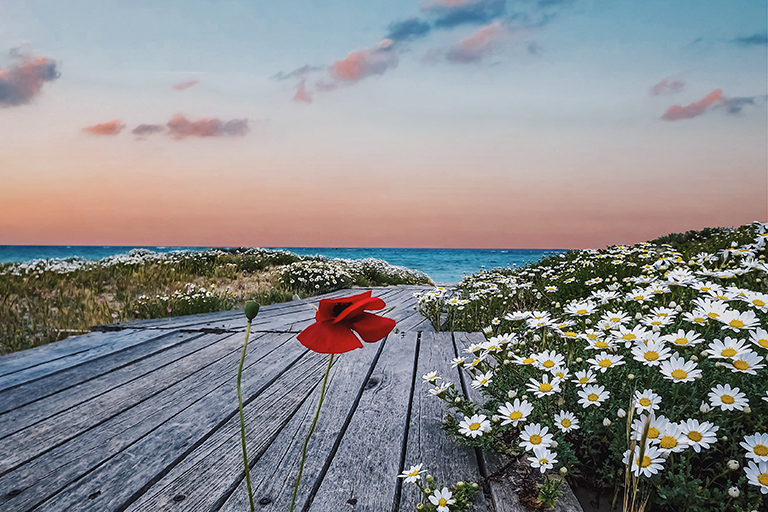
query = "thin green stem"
{"x": 309, "y": 434}
{"x": 242, "y": 417}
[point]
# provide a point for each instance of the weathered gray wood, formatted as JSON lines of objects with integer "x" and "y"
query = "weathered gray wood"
{"x": 447, "y": 461}
{"x": 110, "y": 485}
{"x": 275, "y": 472}
{"x": 363, "y": 473}
{"x": 58, "y": 402}
{"x": 212, "y": 395}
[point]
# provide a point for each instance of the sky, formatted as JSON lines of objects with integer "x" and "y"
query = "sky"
{"x": 384, "y": 123}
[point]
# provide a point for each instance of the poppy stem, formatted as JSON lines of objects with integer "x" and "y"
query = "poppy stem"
{"x": 242, "y": 417}
{"x": 309, "y": 434}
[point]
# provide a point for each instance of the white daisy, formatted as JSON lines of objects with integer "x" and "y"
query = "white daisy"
{"x": 474, "y": 426}
{"x": 545, "y": 387}
{"x": 442, "y": 498}
{"x": 746, "y": 362}
{"x": 584, "y": 377}
{"x": 672, "y": 439}
{"x": 700, "y": 434}
{"x": 515, "y": 412}
{"x": 739, "y": 322}
{"x": 548, "y": 359}
{"x": 543, "y": 459}
{"x": 726, "y": 348}
{"x": 759, "y": 337}
{"x": 593, "y": 394}
{"x": 646, "y": 401}
{"x": 678, "y": 369}
{"x": 650, "y": 463}
{"x": 727, "y": 398}
{"x": 482, "y": 380}
{"x": 534, "y": 435}
{"x": 412, "y": 474}
{"x": 683, "y": 338}
{"x": 757, "y": 474}
{"x": 651, "y": 353}
{"x": 604, "y": 360}
{"x": 566, "y": 421}
{"x": 756, "y": 446}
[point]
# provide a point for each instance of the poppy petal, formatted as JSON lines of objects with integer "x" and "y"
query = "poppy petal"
{"x": 326, "y": 306}
{"x": 355, "y": 309}
{"x": 329, "y": 338}
{"x": 372, "y": 328}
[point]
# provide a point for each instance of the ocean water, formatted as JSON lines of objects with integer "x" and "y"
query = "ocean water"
{"x": 444, "y": 266}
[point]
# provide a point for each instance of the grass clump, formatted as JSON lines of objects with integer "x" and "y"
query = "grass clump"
{"x": 639, "y": 370}
{"x": 43, "y": 301}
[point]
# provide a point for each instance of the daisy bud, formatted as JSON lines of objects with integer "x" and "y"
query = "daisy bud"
{"x": 430, "y": 479}
{"x": 704, "y": 407}
{"x": 506, "y": 361}
{"x": 718, "y": 364}
{"x": 420, "y": 506}
{"x": 694, "y": 358}
{"x": 638, "y": 316}
{"x": 621, "y": 413}
{"x": 553, "y": 445}
{"x": 646, "y": 307}
{"x": 495, "y": 418}
{"x": 724, "y": 439}
{"x": 606, "y": 422}
{"x": 747, "y": 410}
{"x": 474, "y": 485}
{"x": 459, "y": 484}
{"x": 511, "y": 393}
{"x": 588, "y": 321}
{"x": 457, "y": 400}
{"x": 733, "y": 492}
{"x": 679, "y": 309}
{"x": 525, "y": 397}
{"x": 536, "y": 337}
{"x": 563, "y": 470}
{"x": 672, "y": 304}
{"x": 703, "y": 353}
{"x": 631, "y": 376}
{"x": 557, "y": 305}
{"x": 758, "y": 280}
{"x": 579, "y": 360}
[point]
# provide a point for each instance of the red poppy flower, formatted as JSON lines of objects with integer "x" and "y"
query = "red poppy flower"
{"x": 337, "y": 318}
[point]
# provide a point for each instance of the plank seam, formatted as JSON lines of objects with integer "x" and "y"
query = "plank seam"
{"x": 404, "y": 448}
{"x": 342, "y": 431}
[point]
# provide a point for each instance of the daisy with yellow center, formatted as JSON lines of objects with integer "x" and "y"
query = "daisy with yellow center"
{"x": 593, "y": 394}
{"x": 678, "y": 369}
{"x": 646, "y": 401}
{"x": 727, "y": 398}
{"x": 534, "y": 435}
{"x": 699, "y": 434}
{"x": 739, "y": 322}
{"x": 549, "y": 359}
{"x": 441, "y": 499}
{"x": 647, "y": 463}
{"x": 482, "y": 380}
{"x": 515, "y": 412}
{"x": 683, "y": 338}
{"x": 473, "y": 426}
{"x": 747, "y": 362}
{"x": 671, "y": 439}
{"x": 413, "y": 474}
{"x": 652, "y": 353}
{"x": 545, "y": 387}
{"x": 757, "y": 474}
{"x": 584, "y": 377}
{"x": 543, "y": 459}
{"x": 727, "y": 348}
{"x": 566, "y": 421}
{"x": 604, "y": 360}
{"x": 756, "y": 446}
{"x": 759, "y": 337}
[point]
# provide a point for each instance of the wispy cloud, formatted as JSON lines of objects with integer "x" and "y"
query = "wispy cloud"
{"x": 407, "y": 30}
{"x": 23, "y": 81}
{"x": 736, "y": 104}
{"x": 364, "y": 63}
{"x": 302, "y": 95}
{"x": 479, "y": 44}
{"x": 296, "y": 73}
{"x": 186, "y": 85}
{"x": 695, "y": 109}
{"x": 147, "y": 129}
{"x": 451, "y": 13}
{"x": 180, "y": 127}
{"x": 667, "y": 86}
{"x": 108, "y": 128}
{"x": 759, "y": 39}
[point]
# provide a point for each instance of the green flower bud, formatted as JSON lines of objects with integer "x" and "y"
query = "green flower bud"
{"x": 251, "y": 310}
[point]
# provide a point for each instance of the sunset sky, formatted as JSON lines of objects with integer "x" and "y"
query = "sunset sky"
{"x": 383, "y": 123}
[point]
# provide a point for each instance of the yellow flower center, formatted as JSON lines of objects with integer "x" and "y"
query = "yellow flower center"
{"x": 629, "y": 336}
{"x": 763, "y": 479}
{"x": 646, "y": 461}
{"x": 548, "y": 364}
{"x": 442, "y": 502}
{"x": 605, "y": 363}
{"x": 601, "y": 344}
{"x": 656, "y": 322}
{"x": 565, "y": 422}
{"x": 668, "y": 442}
{"x": 681, "y": 341}
{"x": 581, "y": 312}
{"x": 694, "y": 436}
{"x": 535, "y": 439}
{"x": 474, "y": 426}
{"x": 413, "y": 473}
{"x": 728, "y": 352}
{"x": 741, "y": 365}
{"x": 583, "y": 380}
{"x": 736, "y": 323}
{"x": 592, "y": 336}
{"x": 515, "y": 415}
{"x": 763, "y": 342}
{"x": 760, "y": 450}
{"x": 570, "y": 334}
{"x": 699, "y": 320}
{"x": 713, "y": 315}
{"x": 639, "y": 297}
{"x": 560, "y": 375}
{"x": 528, "y": 360}
{"x": 758, "y": 303}
{"x": 679, "y": 374}
{"x": 543, "y": 461}
{"x": 653, "y": 433}
{"x": 645, "y": 402}
{"x": 545, "y": 387}
{"x": 651, "y": 355}
{"x": 727, "y": 399}
{"x": 592, "y": 397}
{"x": 614, "y": 319}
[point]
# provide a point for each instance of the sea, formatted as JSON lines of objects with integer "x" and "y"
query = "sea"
{"x": 443, "y": 266}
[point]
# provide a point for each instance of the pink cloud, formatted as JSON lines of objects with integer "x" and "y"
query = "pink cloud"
{"x": 479, "y": 44}
{"x": 302, "y": 95}
{"x": 109, "y": 128}
{"x": 363, "y": 63}
{"x": 667, "y": 86}
{"x": 186, "y": 85}
{"x": 180, "y": 127}
{"x": 23, "y": 82}
{"x": 677, "y": 112}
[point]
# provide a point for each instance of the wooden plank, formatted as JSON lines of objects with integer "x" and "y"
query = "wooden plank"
{"x": 274, "y": 473}
{"x": 180, "y": 416}
{"x": 363, "y": 473}
{"x": 447, "y": 461}
{"x": 44, "y": 435}
{"x": 28, "y": 392}
{"x": 71, "y": 396}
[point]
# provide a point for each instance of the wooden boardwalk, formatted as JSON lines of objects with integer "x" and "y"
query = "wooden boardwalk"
{"x": 143, "y": 417}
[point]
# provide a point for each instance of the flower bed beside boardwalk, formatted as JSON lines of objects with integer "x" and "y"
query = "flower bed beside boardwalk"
{"x": 639, "y": 372}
